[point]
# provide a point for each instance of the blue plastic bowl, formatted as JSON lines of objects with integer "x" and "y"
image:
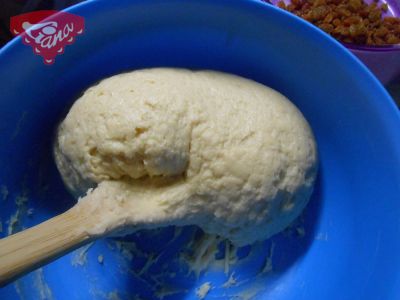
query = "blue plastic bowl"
{"x": 351, "y": 243}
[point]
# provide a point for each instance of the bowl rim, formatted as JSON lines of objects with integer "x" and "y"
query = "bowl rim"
{"x": 388, "y": 108}
{"x": 383, "y": 48}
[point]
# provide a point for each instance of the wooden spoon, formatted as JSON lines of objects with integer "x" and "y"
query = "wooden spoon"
{"x": 27, "y": 250}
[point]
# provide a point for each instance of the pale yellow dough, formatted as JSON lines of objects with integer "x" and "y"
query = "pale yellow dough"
{"x": 173, "y": 146}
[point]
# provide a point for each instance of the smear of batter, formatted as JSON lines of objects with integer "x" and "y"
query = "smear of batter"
{"x": 230, "y": 282}
{"x": 203, "y": 290}
{"x": 79, "y": 257}
{"x": 41, "y": 285}
{"x": 3, "y": 192}
{"x": 15, "y": 221}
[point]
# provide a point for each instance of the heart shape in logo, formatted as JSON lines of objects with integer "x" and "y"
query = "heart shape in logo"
{"x": 47, "y": 31}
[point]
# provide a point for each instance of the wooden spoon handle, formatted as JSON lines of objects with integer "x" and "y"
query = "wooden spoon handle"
{"x": 29, "y": 249}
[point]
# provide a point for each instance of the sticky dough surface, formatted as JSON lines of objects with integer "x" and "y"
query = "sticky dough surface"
{"x": 173, "y": 146}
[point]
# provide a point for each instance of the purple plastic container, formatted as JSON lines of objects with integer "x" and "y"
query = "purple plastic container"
{"x": 383, "y": 61}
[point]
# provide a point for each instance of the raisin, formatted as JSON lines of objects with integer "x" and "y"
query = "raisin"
{"x": 349, "y": 21}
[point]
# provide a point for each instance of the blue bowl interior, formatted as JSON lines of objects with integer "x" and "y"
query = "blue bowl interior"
{"x": 346, "y": 244}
